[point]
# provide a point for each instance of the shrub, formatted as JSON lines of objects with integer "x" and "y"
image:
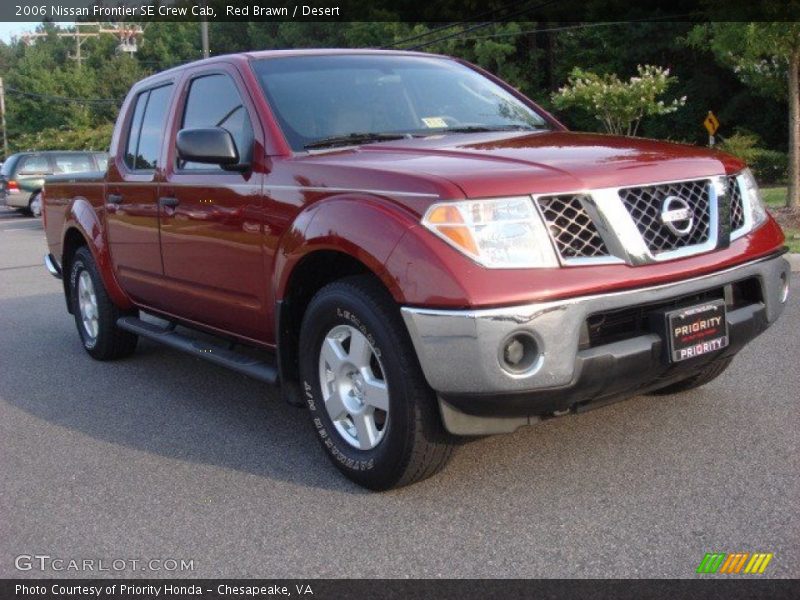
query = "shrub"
{"x": 769, "y": 166}
{"x": 619, "y": 105}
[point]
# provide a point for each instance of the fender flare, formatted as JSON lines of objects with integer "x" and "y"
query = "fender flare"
{"x": 364, "y": 228}
{"x": 83, "y": 218}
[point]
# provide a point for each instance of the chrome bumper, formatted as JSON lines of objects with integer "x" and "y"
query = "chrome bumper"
{"x": 460, "y": 351}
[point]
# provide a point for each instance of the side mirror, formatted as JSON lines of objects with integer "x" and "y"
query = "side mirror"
{"x": 211, "y": 145}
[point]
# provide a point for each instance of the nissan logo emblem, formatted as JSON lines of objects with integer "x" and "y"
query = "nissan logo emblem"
{"x": 677, "y": 215}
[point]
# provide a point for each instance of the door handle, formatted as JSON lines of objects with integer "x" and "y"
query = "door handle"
{"x": 168, "y": 201}
{"x": 114, "y": 198}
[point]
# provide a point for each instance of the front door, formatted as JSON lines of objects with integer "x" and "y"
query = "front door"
{"x": 132, "y": 196}
{"x": 212, "y": 219}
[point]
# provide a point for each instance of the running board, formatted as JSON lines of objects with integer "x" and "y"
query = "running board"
{"x": 225, "y": 357}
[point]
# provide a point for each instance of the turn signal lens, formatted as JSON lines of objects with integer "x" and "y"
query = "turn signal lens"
{"x": 502, "y": 233}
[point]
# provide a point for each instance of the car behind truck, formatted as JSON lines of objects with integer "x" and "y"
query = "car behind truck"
{"x": 410, "y": 248}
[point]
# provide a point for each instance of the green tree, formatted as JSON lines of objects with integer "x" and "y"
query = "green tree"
{"x": 765, "y": 56}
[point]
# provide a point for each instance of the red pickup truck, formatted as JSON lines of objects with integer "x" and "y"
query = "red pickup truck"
{"x": 409, "y": 247}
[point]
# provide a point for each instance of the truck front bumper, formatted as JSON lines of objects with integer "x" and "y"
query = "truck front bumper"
{"x": 463, "y": 354}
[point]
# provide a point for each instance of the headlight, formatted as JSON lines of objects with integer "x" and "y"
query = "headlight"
{"x": 503, "y": 233}
{"x": 752, "y": 199}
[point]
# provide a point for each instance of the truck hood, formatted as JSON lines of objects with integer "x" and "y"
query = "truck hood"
{"x": 507, "y": 164}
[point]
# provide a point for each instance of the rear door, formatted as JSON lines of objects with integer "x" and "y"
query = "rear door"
{"x": 211, "y": 218}
{"x": 132, "y": 195}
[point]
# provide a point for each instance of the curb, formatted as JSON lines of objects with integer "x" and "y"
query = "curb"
{"x": 794, "y": 261}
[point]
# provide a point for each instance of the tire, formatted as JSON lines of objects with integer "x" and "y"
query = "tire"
{"x": 35, "y": 205}
{"x": 95, "y": 315}
{"x": 708, "y": 374}
{"x": 369, "y": 363}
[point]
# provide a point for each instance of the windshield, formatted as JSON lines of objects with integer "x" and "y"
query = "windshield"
{"x": 364, "y": 98}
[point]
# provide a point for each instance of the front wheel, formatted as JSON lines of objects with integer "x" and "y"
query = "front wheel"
{"x": 95, "y": 314}
{"x": 370, "y": 405}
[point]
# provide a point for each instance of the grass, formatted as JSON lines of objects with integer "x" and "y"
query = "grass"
{"x": 776, "y": 198}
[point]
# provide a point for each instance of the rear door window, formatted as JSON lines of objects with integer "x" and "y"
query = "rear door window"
{"x": 214, "y": 101}
{"x": 147, "y": 128}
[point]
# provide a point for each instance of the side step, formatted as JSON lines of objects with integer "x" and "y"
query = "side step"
{"x": 226, "y": 357}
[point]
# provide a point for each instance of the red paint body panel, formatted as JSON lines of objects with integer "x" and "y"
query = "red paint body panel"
{"x": 432, "y": 274}
{"x": 226, "y": 253}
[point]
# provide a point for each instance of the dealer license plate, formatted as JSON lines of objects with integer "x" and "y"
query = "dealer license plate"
{"x": 697, "y": 330}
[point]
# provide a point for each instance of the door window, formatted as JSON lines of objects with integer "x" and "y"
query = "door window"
{"x": 147, "y": 129}
{"x": 214, "y": 101}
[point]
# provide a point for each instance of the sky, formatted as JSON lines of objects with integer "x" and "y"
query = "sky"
{"x": 9, "y": 29}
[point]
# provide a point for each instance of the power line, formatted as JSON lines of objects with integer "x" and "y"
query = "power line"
{"x": 481, "y": 25}
{"x": 422, "y": 35}
{"x": 443, "y": 27}
{"x": 62, "y": 98}
{"x": 580, "y": 26}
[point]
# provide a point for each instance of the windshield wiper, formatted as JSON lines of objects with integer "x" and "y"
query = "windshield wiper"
{"x": 483, "y": 128}
{"x": 354, "y": 138}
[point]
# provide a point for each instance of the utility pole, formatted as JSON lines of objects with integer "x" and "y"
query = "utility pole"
{"x": 204, "y": 36}
{"x": 80, "y": 37}
{"x": 125, "y": 32}
{"x": 3, "y": 118}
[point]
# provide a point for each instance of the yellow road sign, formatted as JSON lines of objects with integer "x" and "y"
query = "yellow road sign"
{"x": 711, "y": 123}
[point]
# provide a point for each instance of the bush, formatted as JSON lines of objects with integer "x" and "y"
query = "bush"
{"x": 769, "y": 166}
{"x": 619, "y": 105}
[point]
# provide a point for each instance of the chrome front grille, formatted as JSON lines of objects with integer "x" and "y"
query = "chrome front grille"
{"x": 645, "y": 206}
{"x": 639, "y": 225}
{"x": 571, "y": 227}
{"x": 734, "y": 195}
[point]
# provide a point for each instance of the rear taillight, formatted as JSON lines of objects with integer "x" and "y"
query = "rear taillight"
{"x": 12, "y": 186}
{"x": 44, "y": 210}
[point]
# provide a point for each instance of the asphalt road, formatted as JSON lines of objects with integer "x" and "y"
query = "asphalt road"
{"x": 163, "y": 456}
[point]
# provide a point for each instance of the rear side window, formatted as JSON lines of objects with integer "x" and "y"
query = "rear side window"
{"x": 36, "y": 163}
{"x": 8, "y": 166}
{"x": 73, "y": 163}
{"x": 214, "y": 101}
{"x": 147, "y": 129}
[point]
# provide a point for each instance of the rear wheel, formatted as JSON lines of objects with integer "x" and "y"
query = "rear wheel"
{"x": 95, "y": 314}
{"x": 35, "y": 205}
{"x": 372, "y": 410}
{"x": 706, "y": 375}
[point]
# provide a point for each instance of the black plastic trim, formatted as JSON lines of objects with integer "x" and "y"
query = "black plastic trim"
{"x": 612, "y": 372}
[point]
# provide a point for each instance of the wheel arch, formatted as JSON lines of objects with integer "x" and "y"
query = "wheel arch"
{"x": 82, "y": 227}
{"x": 310, "y": 274}
{"x": 331, "y": 239}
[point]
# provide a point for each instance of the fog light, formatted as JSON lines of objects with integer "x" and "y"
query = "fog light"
{"x": 784, "y": 287}
{"x": 519, "y": 353}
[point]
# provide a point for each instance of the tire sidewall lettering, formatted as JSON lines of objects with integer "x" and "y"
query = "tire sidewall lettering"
{"x": 331, "y": 440}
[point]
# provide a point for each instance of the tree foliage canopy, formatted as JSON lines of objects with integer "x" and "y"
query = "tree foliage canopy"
{"x": 45, "y": 89}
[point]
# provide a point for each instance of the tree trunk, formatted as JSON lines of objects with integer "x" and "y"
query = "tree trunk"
{"x": 793, "y": 195}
